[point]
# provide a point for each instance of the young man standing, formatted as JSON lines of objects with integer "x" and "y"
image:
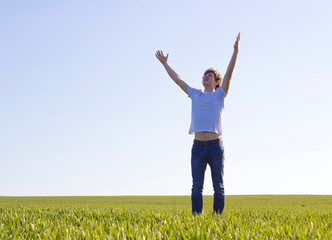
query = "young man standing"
{"x": 206, "y": 115}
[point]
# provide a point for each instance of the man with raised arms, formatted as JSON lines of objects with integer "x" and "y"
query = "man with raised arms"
{"x": 206, "y": 114}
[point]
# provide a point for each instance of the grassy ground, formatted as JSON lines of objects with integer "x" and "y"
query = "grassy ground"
{"x": 167, "y": 217}
{"x": 177, "y": 202}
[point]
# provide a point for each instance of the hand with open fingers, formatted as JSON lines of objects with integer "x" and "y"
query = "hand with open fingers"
{"x": 236, "y": 45}
{"x": 161, "y": 57}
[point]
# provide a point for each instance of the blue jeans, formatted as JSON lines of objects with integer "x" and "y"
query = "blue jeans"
{"x": 203, "y": 153}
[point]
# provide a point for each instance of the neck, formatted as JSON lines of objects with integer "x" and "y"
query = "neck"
{"x": 209, "y": 89}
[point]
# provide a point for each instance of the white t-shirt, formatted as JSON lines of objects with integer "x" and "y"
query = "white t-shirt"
{"x": 206, "y": 110}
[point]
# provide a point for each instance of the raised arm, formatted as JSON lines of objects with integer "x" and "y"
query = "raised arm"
{"x": 177, "y": 79}
{"x": 228, "y": 75}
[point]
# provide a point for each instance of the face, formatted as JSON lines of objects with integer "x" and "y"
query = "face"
{"x": 209, "y": 80}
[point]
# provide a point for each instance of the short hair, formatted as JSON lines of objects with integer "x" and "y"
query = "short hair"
{"x": 217, "y": 76}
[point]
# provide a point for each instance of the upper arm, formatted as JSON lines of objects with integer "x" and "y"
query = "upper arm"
{"x": 183, "y": 85}
{"x": 226, "y": 82}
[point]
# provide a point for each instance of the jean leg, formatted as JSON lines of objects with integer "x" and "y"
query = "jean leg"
{"x": 216, "y": 162}
{"x": 198, "y": 166}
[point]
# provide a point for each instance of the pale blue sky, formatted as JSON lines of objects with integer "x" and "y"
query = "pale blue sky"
{"x": 87, "y": 109}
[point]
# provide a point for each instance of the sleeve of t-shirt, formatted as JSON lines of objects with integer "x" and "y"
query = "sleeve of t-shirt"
{"x": 192, "y": 91}
{"x": 221, "y": 92}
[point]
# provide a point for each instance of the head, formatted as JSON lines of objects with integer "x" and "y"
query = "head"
{"x": 212, "y": 78}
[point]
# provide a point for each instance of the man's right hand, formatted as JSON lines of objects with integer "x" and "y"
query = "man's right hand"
{"x": 161, "y": 57}
{"x": 177, "y": 79}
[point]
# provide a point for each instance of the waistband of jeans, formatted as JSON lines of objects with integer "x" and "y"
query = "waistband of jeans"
{"x": 207, "y": 142}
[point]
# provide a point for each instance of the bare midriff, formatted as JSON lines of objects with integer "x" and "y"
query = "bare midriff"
{"x": 206, "y": 136}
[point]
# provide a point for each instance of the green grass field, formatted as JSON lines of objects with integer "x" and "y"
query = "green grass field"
{"x": 167, "y": 217}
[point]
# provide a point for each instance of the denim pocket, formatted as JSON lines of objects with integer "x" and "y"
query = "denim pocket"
{"x": 221, "y": 146}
